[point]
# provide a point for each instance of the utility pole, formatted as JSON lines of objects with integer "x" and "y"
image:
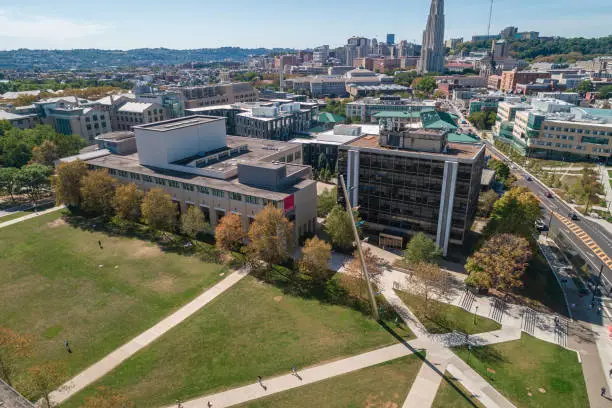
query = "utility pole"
{"x": 598, "y": 281}
{"x": 364, "y": 267}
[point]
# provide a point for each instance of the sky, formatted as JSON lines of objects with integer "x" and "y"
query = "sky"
{"x": 183, "y": 24}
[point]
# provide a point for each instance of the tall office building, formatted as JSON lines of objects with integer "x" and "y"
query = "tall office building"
{"x": 432, "y": 52}
{"x": 390, "y": 39}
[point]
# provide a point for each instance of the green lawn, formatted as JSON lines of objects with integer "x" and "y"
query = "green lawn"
{"x": 452, "y": 394}
{"x": 382, "y": 386}
{"x": 449, "y": 317}
{"x": 13, "y": 215}
{"x": 252, "y": 329}
{"x": 551, "y": 374}
{"x": 57, "y": 284}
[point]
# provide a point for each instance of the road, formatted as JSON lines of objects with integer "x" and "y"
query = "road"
{"x": 597, "y": 250}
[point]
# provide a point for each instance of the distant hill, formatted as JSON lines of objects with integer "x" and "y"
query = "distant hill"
{"x": 26, "y": 59}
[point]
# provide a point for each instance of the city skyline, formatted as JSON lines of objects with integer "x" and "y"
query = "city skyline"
{"x": 206, "y": 25}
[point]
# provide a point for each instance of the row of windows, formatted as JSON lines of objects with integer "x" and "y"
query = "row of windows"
{"x": 191, "y": 187}
{"x": 574, "y": 130}
{"x": 563, "y": 137}
{"x": 95, "y": 118}
{"x": 96, "y": 125}
{"x": 569, "y": 146}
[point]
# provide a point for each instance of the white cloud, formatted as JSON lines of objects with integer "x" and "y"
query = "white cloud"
{"x": 49, "y": 29}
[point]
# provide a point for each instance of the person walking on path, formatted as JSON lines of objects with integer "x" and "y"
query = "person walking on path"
{"x": 610, "y": 373}
{"x": 603, "y": 391}
{"x": 67, "y": 346}
{"x": 100, "y": 244}
{"x": 259, "y": 380}
{"x": 209, "y": 404}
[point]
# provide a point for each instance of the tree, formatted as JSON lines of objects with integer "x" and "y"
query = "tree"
{"x": 502, "y": 171}
{"x": 34, "y": 178}
{"x": 500, "y": 263}
{"x": 585, "y": 86}
{"x": 98, "y": 192}
{"x": 438, "y": 94}
{"x": 515, "y": 213}
{"x": 45, "y": 154}
{"x": 42, "y": 381}
{"x": 421, "y": 249}
{"x": 586, "y": 188}
{"x": 352, "y": 278}
{"x": 127, "y": 202}
{"x": 270, "y": 236}
{"x": 315, "y": 259}
{"x": 193, "y": 222}
{"x": 327, "y": 200}
{"x": 338, "y": 226}
{"x": 13, "y": 348}
{"x": 428, "y": 282}
{"x": 229, "y": 234}
{"x": 158, "y": 210}
{"x": 67, "y": 182}
{"x": 426, "y": 84}
{"x": 8, "y": 181}
{"x": 17, "y": 155}
{"x": 605, "y": 92}
{"x": 106, "y": 398}
{"x": 486, "y": 202}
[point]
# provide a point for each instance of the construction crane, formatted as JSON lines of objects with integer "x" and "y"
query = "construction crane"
{"x": 490, "y": 15}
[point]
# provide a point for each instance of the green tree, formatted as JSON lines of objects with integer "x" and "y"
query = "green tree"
{"x": 16, "y": 155}
{"x": 500, "y": 263}
{"x": 67, "y": 182}
{"x": 585, "y": 86}
{"x": 98, "y": 192}
{"x": 127, "y": 202}
{"x": 486, "y": 202}
{"x": 193, "y": 222}
{"x": 502, "y": 171}
{"x": 515, "y": 213}
{"x": 34, "y": 179}
{"x": 45, "y": 154}
{"x": 9, "y": 181}
{"x": 405, "y": 78}
{"x": 158, "y": 210}
{"x": 315, "y": 259}
{"x": 426, "y": 84}
{"x": 327, "y": 200}
{"x": 338, "y": 226}
{"x": 421, "y": 249}
{"x": 605, "y": 92}
{"x": 270, "y": 236}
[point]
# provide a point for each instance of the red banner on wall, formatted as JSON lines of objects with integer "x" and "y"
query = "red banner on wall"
{"x": 289, "y": 203}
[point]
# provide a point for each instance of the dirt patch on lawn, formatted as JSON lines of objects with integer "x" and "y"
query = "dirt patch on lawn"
{"x": 373, "y": 401}
{"x": 278, "y": 298}
{"x": 163, "y": 284}
{"x": 140, "y": 250}
{"x": 56, "y": 223}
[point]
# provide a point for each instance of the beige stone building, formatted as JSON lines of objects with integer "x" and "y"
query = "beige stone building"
{"x": 132, "y": 114}
{"x": 210, "y": 95}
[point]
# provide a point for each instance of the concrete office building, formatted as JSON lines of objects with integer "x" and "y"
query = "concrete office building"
{"x": 408, "y": 180}
{"x": 390, "y": 39}
{"x": 366, "y": 108}
{"x": 273, "y": 120}
{"x": 554, "y": 129}
{"x": 509, "y": 79}
{"x": 432, "y": 51}
{"x": 19, "y": 121}
{"x": 111, "y": 104}
{"x": 193, "y": 160}
{"x": 133, "y": 114}
{"x": 452, "y": 43}
{"x": 73, "y": 116}
{"x": 209, "y": 95}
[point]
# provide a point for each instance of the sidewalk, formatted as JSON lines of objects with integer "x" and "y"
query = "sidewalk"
{"x": 105, "y": 365}
{"x": 29, "y": 216}
{"x": 605, "y": 181}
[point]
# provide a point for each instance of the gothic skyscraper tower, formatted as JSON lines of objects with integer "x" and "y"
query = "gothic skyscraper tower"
{"x": 432, "y": 51}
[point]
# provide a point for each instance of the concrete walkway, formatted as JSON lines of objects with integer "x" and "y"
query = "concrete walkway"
{"x": 604, "y": 179}
{"x": 105, "y": 365}
{"x": 29, "y": 216}
{"x": 306, "y": 376}
{"x": 425, "y": 387}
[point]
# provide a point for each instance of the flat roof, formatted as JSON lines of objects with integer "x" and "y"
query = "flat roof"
{"x": 454, "y": 150}
{"x": 172, "y": 124}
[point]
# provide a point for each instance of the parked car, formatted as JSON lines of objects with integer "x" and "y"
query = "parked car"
{"x": 529, "y": 178}
{"x": 548, "y": 194}
{"x": 572, "y": 216}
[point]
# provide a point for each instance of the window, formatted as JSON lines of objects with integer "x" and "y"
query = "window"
{"x": 87, "y": 119}
{"x": 252, "y": 199}
{"x": 235, "y": 196}
{"x": 148, "y": 179}
{"x": 135, "y": 176}
{"x": 187, "y": 187}
{"x": 103, "y": 124}
{"x": 218, "y": 193}
{"x": 112, "y": 172}
{"x": 160, "y": 181}
{"x": 122, "y": 173}
{"x": 88, "y": 127}
{"x": 203, "y": 190}
{"x": 101, "y": 117}
{"x": 173, "y": 183}
{"x": 95, "y": 117}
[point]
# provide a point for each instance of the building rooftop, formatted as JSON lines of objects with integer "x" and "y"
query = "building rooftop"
{"x": 392, "y": 114}
{"x": 116, "y": 136}
{"x": 136, "y": 107}
{"x": 173, "y": 124}
{"x": 10, "y": 398}
{"x": 457, "y": 151}
{"x": 4, "y": 115}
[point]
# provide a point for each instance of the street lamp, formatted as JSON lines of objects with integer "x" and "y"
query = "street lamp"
{"x": 475, "y": 313}
{"x": 598, "y": 281}
{"x": 552, "y": 211}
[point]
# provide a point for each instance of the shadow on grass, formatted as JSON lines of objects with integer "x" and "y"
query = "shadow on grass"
{"x": 167, "y": 242}
{"x": 420, "y": 353}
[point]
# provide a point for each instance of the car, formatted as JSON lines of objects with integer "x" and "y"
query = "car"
{"x": 572, "y": 216}
{"x": 548, "y": 194}
{"x": 583, "y": 292}
{"x": 529, "y": 178}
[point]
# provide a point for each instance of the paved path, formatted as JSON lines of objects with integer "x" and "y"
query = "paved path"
{"x": 116, "y": 357}
{"x": 425, "y": 387}
{"x": 306, "y": 376}
{"x": 604, "y": 178}
{"x": 29, "y": 216}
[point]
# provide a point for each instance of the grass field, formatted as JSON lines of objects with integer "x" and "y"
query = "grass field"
{"x": 56, "y": 284}
{"x": 531, "y": 372}
{"x": 252, "y": 329}
{"x": 382, "y": 386}
{"x": 449, "y": 317}
{"x": 452, "y": 394}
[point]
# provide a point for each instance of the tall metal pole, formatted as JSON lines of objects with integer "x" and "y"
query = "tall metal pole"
{"x": 598, "y": 281}
{"x": 364, "y": 267}
{"x": 490, "y": 15}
